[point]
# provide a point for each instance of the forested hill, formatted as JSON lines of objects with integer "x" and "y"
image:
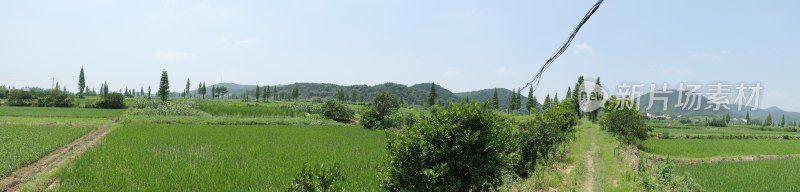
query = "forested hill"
{"x": 415, "y": 95}
{"x": 503, "y": 95}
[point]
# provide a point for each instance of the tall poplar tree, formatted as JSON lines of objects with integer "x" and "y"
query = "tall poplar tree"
{"x": 163, "y": 86}
{"x": 432, "y": 95}
{"x": 81, "y": 84}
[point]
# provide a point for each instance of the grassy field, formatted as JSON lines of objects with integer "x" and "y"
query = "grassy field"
{"x": 53, "y": 120}
{"x": 249, "y": 109}
{"x": 701, "y": 148}
{"x": 59, "y": 112}
{"x": 224, "y": 158}
{"x": 772, "y": 175}
{"x": 721, "y": 131}
{"x": 22, "y": 144}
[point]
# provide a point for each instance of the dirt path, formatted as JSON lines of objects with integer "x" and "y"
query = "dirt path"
{"x": 50, "y": 161}
{"x": 588, "y": 185}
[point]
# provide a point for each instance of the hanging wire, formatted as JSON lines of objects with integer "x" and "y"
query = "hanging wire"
{"x": 534, "y": 83}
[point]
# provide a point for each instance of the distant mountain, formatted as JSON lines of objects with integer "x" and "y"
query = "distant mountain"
{"x": 418, "y": 95}
{"x": 672, "y": 102}
{"x": 442, "y": 95}
{"x": 503, "y": 95}
{"x": 415, "y": 95}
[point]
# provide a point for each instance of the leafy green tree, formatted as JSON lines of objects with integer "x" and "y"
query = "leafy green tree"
{"x": 555, "y": 100}
{"x": 213, "y": 92}
{"x": 163, "y": 87}
{"x": 340, "y": 94}
{"x": 383, "y": 105}
{"x": 768, "y": 120}
{"x": 511, "y": 100}
{"x": 569, "y": 92}
{"x": 626, "y": 123}
{"x": 432, "y": 95}
{"x": 148, "y": 92}
{"x": 267, "y": 93}
{"x": 541, "y": 138}
{"x": 200, "y": 90}
{"x": 747, "y": 118}
{"x": 783, "y": 120}
{"x": 18, "y": 97}
{"x": 258, "y": 92}
{"x": 337, "y": 111}
{"x": 354, "y": 97}
{"x": 495, "y": 102}
{"x": 220, "y": 91}
{"x": 275, "y": 92}
{"x": 576, "y": 96}
{"x": 593, "y": 115}
{"x": 727, "y": 118}
{"x": 518, "y": 100}
{"x": 295, "y": 93}
{"x": 104, "y": 89}
{"x": 112, "y": 101}
{"x": 465, "y": 147}
{"x": 186, "y": 91}
{"x": 547, "y": 102}
{"x": 531, "y": 104}
{"x": 81, "y": 84}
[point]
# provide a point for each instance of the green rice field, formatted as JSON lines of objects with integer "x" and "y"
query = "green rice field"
{"x": 23, "y": 144}
{"x": 224, "y": 158}
{"x": 702, "y": 148}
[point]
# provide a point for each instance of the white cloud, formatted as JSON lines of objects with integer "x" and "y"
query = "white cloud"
{"x": 671, "y": 71}
{"x": 584, "y": 48}
{"x": 452, "y": 73}
{"x": 209, "y": 10}
{"x": 501, "y": 71}
{"x": 246, "y": 42}
{"x": 152, "y": 17}
{"x": 172, "y": 55}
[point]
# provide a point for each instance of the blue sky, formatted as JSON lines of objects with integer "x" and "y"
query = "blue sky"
{"x": 462, "y": 45}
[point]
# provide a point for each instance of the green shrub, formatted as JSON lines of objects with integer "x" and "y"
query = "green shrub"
{"x": 316, "y": 179}
{"x": 383, "y": 105}
{"x": 112, "y": 101}
{"x": 55, "y": 99}
{"x": 158, "y": 107}
{"x": 337, "y": 111}
{"x": 626, "y": 123}
{"x": 663, "y": 177}
{"x": 717, "y": 123}
{"x": 540, "y": 138}
{"x": 664, "y": 135}
{"x": 465, "y": 147}
{"x": 18, "y": 97}
{"x": 400, "y": 120}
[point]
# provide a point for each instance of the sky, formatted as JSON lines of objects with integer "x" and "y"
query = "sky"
{"x": 462, "y": 45}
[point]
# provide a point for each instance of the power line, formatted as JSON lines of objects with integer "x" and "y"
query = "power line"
{"x": 534, "y": 83}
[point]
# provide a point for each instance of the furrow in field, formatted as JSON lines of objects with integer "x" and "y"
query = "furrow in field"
{"x": 690, "y": 161}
